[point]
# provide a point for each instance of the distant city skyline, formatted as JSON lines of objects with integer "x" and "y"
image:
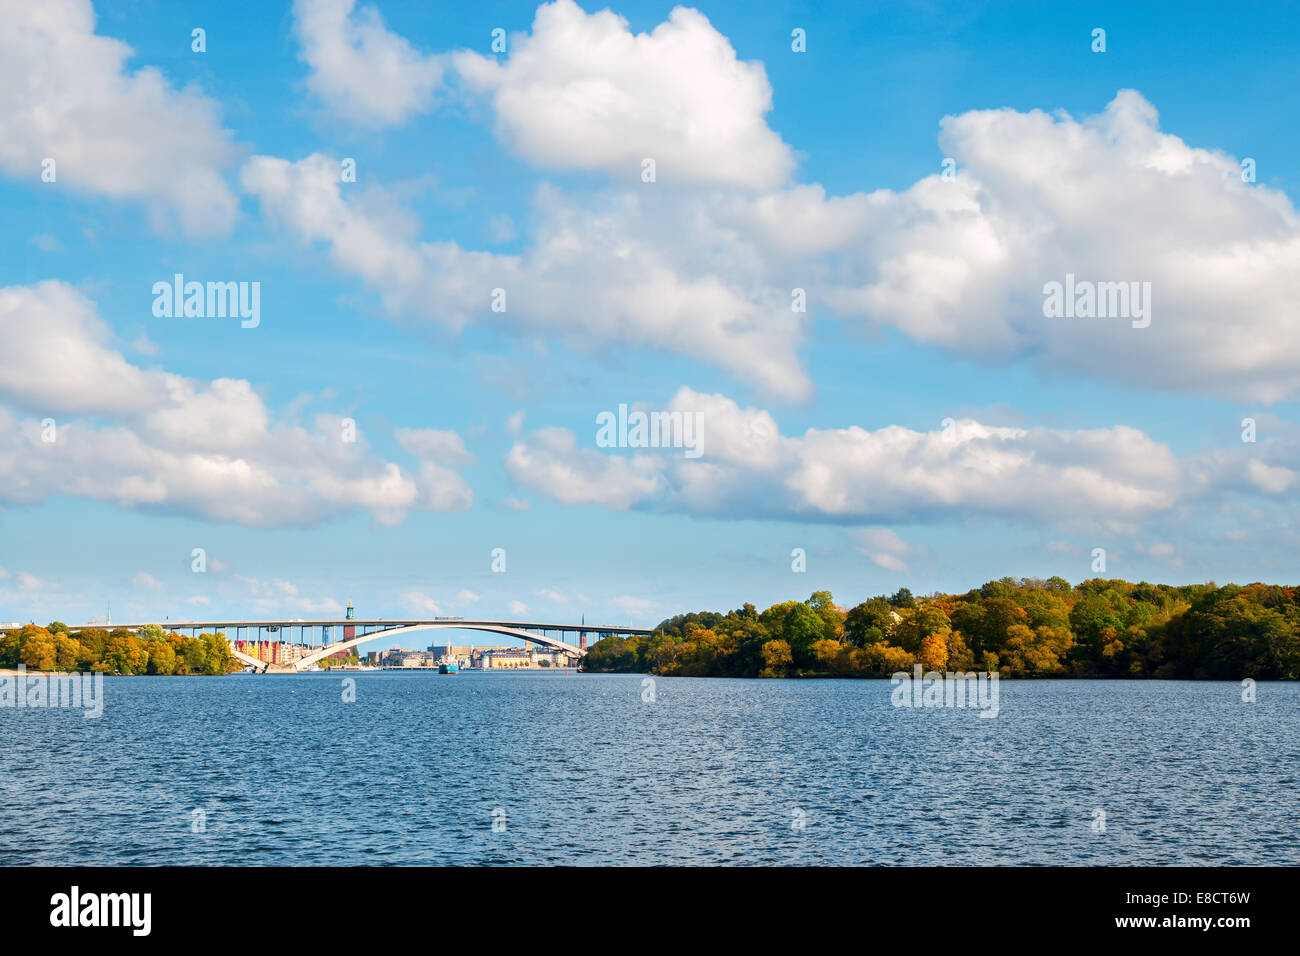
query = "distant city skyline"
{"x": 438, "y": 281}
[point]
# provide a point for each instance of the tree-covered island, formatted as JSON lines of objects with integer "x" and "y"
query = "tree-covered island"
{"x": 1026, "y": 627}
{"x": 97, "y": 650}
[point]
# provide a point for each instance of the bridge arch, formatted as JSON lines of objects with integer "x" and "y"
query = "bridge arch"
{"x": 535, "y": 638}
{"x": 247, "y": 658}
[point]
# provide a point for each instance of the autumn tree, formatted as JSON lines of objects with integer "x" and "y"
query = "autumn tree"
{"x": 162, "y": 658}
{"x": 829, "y": 655}
{"x": 36, "y": 648}
{"x": 777, "y": 659}
{"x": 917, "y": 625}
{"x": 193, "y": 656}
{"x": 67, "y": 652}
{"x": 933, "y": 654}
{"x": 126, "y": 653}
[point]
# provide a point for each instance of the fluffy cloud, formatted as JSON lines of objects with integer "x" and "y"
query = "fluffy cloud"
{"x": 893, "y": 474}
{"x": 443, "y": 447}
{"x": 957, "y": 264}
{"x": 360, "y": 69}
{"x": 1274, "y": 479}
{"x": 278, "y": 594}
{"x": 654, "y": 274}
{"x": 1267, "y": 469}
{"x": 884, "y": 547}
{"x": 549, "y": 461}
{"x": 51, "y": 336}
{"x": 962, "y": 263}
{"x": 159, "y": 441}
{"x": 25, "y": 587}
{"x": 707, "y": 271}
{"x": 65, "y": 94}
{"x": 1162, "y": 551}
{"x": 633, "y": 605}
{"x": 421, "y": 603}
{"x": 656, "y": 271}
{"x": 440, "y": 453}
{"x": 584, "y": 92}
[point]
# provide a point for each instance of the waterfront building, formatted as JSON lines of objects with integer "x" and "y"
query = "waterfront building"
{"x": 506, "y": 660}
{"x": 419, "y": 659}
{"x": 460, "y": 652}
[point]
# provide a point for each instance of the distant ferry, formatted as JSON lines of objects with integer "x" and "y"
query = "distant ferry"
{"x": 448, "y": 665}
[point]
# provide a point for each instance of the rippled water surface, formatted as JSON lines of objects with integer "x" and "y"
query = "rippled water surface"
{"x": 587, "y": 772}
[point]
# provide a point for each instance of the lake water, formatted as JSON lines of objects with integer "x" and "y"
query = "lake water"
{"x": 579, "y": 769}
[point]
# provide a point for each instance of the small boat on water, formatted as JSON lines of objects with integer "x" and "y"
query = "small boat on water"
{"x": 448, "y": 665}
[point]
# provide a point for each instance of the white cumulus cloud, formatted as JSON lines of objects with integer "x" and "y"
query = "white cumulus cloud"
{"x": 653, "y": 274}
{"x": 421, "y": 603}
{"x": 549, "y": 460}
{"x": 892, "y": 474}
{"x": 159, "y": 441}
{"x": 67, "y": 95}
{"x": 360, "y": 69}
{"x": 962, "y": 264}
{"x": 584, "y": 92}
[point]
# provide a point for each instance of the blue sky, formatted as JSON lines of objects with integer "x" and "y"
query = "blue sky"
{"x": 521, "y": 170}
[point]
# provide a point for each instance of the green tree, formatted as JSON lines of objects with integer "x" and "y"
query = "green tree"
{"x": 832, "y": 617}
{"x": 801, "y": 629}
{"x": 194, "y": 655}
{"x": 10, "y": 642}
{"x": 820, "y": 600}
{"x": 903, "y": 598}
{"x": 869, "y": 622}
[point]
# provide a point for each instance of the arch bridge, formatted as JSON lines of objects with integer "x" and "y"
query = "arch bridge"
{"x": 355, "y": 632}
